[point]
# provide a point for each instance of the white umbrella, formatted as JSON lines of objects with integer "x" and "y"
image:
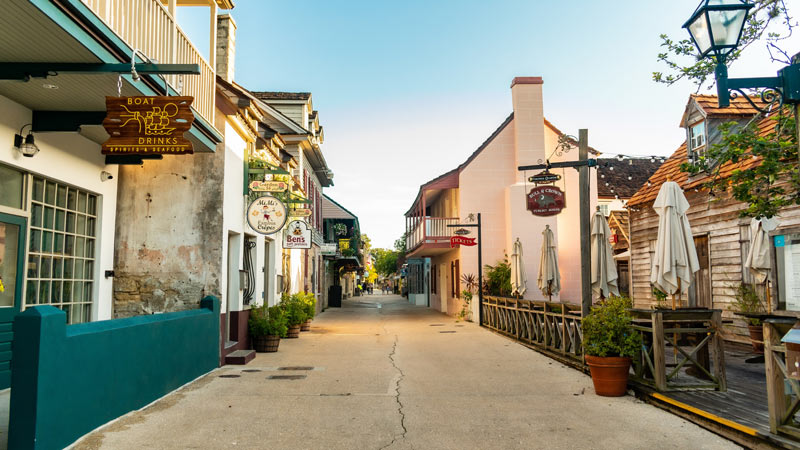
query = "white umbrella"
{"x": 758, "y": 258}
{"x": 519, "y": 283}
{"x": 675, "y": 260}
{"x": 604, "y": 269}
{"x": 549, "y": 281}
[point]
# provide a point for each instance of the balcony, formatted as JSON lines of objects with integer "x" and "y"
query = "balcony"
{"x": 429, "y": 236}
{"x": 148, "y": 26}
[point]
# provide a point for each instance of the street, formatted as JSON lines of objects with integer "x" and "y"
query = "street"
{"x": 379, "y": 373}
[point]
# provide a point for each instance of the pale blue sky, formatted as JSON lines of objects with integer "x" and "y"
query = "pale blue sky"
{"x": 407, "y": 90}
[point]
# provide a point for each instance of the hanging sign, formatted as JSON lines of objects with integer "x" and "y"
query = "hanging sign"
{"x": 328, "y": 249}
{"x": 545, "y": 177}
{"x": 300, "y": 212}
{"x": 147, "y": 125}
{"x": 460, "y": 240}
{"x": 344, "y": 244}
{"x": 297, "y": 235}
{"x": 461, "y": 232}
{"x": 546, "y": 200}
{"x": 268, "y": 186}
{"x": 266, "y": 215}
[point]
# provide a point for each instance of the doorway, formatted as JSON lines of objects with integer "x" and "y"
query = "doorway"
{"x": 233, "y": 290}
{"x": 12, "y": 262}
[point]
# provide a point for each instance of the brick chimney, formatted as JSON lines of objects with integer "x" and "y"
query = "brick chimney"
{"x": 226, "y": 46}
{"x": 526, "y": 97}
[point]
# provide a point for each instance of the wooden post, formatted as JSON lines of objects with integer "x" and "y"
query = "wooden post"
{"x": 585, "y": 225}
{"x": 563, "y": 331}
{"x": 718, "y": 351}
{"x": 659, "y": 353}
{"x": 776, "y": 403}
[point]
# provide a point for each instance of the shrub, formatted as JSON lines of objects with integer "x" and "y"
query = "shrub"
{"x": 267, "y": 321}
{"x": 607, "y": 330}
{"x": 748, "y": 302}
{"x": 309, "y": 301}
{"x": 294, "y": 309}
{"x": 498, "y": 278}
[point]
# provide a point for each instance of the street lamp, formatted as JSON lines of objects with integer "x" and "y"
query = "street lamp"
{"x": 716, "y": 28}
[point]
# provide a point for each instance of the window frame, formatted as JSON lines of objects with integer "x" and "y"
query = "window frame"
{"x": 779, "y": 306}
{"x": 699, "y": 150}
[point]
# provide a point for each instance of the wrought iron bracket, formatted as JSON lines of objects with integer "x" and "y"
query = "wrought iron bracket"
{"x": 785, "y": 88}
{"x": 25, "y": 71}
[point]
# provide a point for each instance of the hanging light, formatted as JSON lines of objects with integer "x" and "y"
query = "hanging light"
{"x": 620, "y": 157}
{"x": 716, "y": 26}
{"x": 26, "y": 146}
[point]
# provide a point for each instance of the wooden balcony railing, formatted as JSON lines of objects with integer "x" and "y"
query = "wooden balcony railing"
{"x": 434, "y": 231}
{"x": 783, "y": 391}
{"x": 148, "y": 26}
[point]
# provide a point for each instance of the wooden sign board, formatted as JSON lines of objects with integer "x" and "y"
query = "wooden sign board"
{"x": 546, "y": 200}
{"x": 268, "y": 186}
{"x": 145, "y": 125}
{"x": 298, "y": 235}
{"x": 545, "y": 177}
{"x": 300, "y": 212}
{"x": 266, "y": 215}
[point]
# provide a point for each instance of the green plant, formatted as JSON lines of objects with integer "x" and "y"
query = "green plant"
{"x": 661, "y": 298}
{"x": 498, "y": 278}
{"x": 267, "y": 321}
{"x": 466, "y": 296}
{"x": 309, "y": 301}
{"x": 607, "y": 330}
{"x": 748, "y": 302}
{"x": 340, "y": 229}
{"x": 294, "y": 309}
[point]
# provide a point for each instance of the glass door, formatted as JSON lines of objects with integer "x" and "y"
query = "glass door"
{"x": 12, "y": 257}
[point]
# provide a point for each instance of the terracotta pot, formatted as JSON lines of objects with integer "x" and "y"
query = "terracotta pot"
{"x": 294, "y": 332}
{"x": 306, "y": 326}
{"x": 266, "y": 344}
{"x": 756, "y": 338}
{"x": 609, "y": 374}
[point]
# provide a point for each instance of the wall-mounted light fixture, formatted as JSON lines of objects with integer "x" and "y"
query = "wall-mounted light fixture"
{"x": 25, "y": 145}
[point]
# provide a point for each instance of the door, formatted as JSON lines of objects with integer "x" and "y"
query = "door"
{"x": 12, "y": 257}
{"x": 700, "y": 291}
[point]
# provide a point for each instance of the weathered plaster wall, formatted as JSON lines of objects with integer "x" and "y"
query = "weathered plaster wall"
{"x": 169, "y": 244}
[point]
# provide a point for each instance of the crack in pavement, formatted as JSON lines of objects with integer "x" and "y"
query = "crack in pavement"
{"x": 398, "y": 379}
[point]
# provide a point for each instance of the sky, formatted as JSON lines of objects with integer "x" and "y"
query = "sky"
{"x": 408, "y": 90}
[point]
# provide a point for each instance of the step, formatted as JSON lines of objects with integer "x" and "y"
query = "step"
{"x": 240, "y": 357}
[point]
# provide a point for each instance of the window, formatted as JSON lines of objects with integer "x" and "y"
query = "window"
{"x": 61, "y": 246}
{"x": 11, "y": 187}
{"x": 603, "y": 208}
{"x": 697, "y": 138}
{"x": 787, "y": 255}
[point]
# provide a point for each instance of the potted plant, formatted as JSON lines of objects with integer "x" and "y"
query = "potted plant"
{"x": 609, "y": 343}
{"x": 309, "y": 301}
{"x": 295, "y": 315}
{"x": 748, "y": 302}
{"x": 267, "y": 327}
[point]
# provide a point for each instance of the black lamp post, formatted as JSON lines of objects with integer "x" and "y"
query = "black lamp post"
{"x": 716, "y": 28}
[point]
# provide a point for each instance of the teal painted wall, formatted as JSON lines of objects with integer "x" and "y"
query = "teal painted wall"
{"x": 67, "y": 381}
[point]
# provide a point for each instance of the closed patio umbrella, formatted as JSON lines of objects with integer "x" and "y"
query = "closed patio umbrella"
{"x": 549, "y": 280}
{"x": 519, "y": 283}
{"x": 604, "y": 269}
{"x": 758, "y": 257}
{"x": 675, "y": 260}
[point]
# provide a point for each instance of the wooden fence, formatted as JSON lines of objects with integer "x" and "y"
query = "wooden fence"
{"x": 553, "y": 328}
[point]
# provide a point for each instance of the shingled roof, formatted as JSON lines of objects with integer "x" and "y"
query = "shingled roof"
{"x": 625, "y": 178}
{"x": 265, "y": 95}
{"x": 671, "y": 169}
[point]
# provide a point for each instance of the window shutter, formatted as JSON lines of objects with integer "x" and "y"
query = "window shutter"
{"x": 457, "y": 279}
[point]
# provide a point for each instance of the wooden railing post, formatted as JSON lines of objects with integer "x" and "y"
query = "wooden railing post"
{"x": 659, "y": 353}
{"x": 718, "y": 349}
{"x": 775, "y": 388}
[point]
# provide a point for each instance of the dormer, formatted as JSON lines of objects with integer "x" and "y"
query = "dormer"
{"x": 702, "y": 118}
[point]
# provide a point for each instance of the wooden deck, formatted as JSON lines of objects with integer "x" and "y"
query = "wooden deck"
{"x": 744, "y": 404}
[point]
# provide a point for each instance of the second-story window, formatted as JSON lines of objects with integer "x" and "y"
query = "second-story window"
{"x": 697, "y": 139}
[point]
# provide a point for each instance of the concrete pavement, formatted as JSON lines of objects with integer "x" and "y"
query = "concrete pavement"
{"x": 379, "y": 373}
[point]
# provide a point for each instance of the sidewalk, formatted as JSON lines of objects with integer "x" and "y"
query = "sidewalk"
{"x": 384, "y": 374}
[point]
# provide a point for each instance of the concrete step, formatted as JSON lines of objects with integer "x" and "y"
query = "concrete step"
{"x": 240, "y": 357}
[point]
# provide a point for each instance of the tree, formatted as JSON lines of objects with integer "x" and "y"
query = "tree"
{"x": 400, "y": 244}
{"x": 385, "y": 261}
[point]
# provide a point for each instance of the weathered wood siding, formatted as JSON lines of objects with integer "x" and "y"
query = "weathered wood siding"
{"x": 728, "y": 236}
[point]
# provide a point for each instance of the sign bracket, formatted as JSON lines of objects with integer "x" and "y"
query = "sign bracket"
{"x": 25, "y": 71}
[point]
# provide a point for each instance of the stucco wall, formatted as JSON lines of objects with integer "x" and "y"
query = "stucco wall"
{"x": 72, "y": 159}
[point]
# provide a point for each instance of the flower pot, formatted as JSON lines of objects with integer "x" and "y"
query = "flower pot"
{"x": 306, "y": 326}
{"x": 609, "y": 374}
{"x": 266, "y": 344}
{"x": 756, "y": 338}
{"x": 294, "y": 332}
